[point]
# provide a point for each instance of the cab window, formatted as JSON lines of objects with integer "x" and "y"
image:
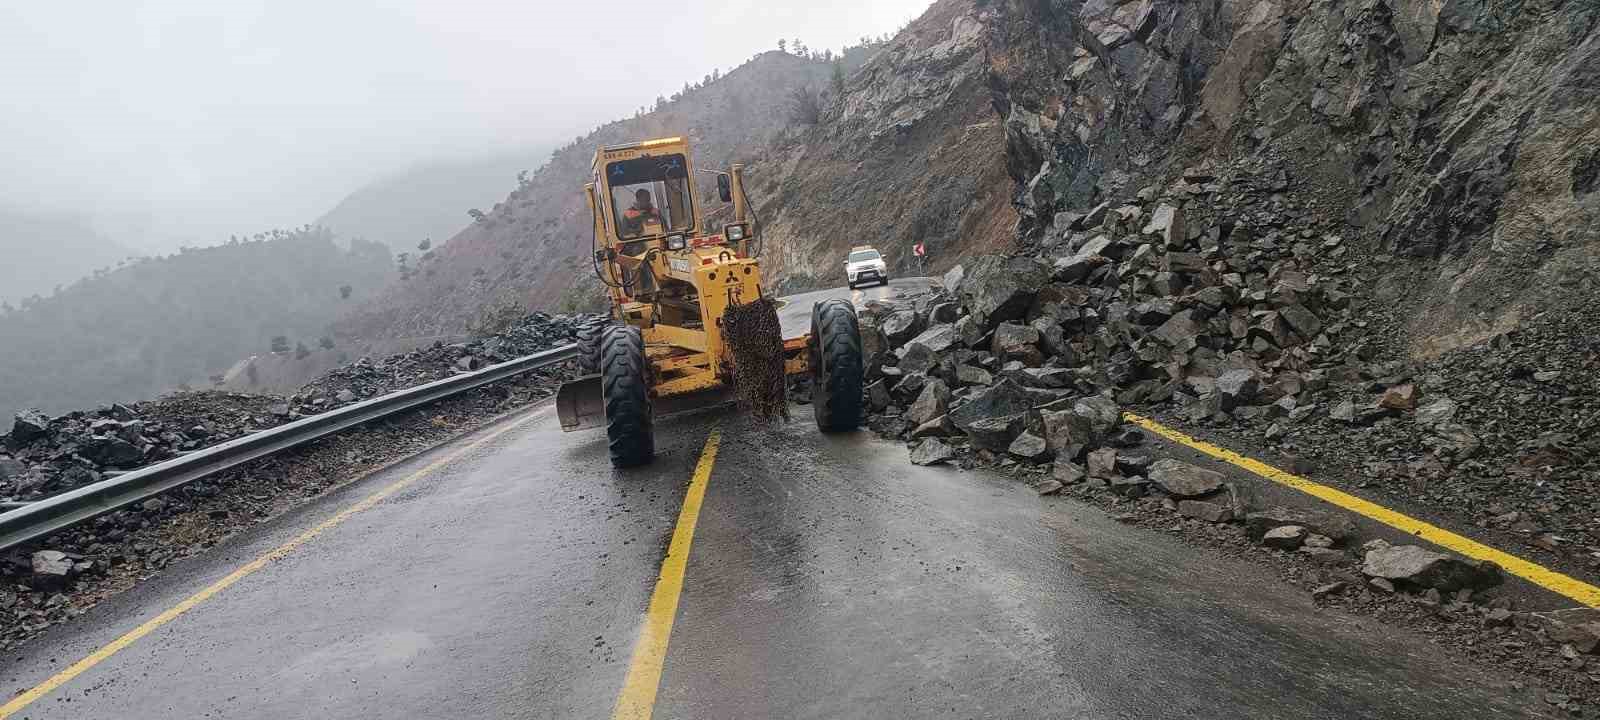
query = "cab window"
{"x": 650, "y": 195}
{"x": 864, "y": 256}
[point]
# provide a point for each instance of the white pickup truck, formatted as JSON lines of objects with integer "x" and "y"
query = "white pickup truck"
{"x": 865, "y": 265}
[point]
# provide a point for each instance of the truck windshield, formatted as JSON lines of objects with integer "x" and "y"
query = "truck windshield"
{"x": 864, "y": 256}
{"x": 650, "y": 195}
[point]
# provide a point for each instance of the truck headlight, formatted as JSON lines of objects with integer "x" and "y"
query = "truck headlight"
{"x": 675, "y": 242}
{"x": 734, "y": 233}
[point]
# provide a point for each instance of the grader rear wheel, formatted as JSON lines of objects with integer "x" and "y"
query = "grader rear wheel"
{"x": 836, "y": 366}
{"x": 630, "y": 420}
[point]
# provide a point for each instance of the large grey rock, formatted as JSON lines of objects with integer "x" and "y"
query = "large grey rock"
{"x": 901, "y": 326}
{"x": 1068, "y": 434}
{"x": 994, "y": 433}
{"x": 1052, "y": 339}
{"x": 1003, "y": 399}
{"x": 1166, "y": 223}
{"x": 1236, "y": 388}
{"x": 1029, "y": 446}
{"x": 1067, "y": 472}
{"x": 933, "y": 402}
{"x": 953, "y": 279}
{"x": 937, "y": 338}
{"x": 1102, "y": 464}
{"x": 1337, "y": 527}
{"x": 1304, "y": 322}
{"x": 51, "y": 569}
{"x": 1017, "y": 342}
{"x": 1000, "y": 288}
{"x": 932, "y": 451}
{"x": 1100, "y": 411}
{"x": 29, "y": 424}
{"x": 1422, "y": 567}
{"x": 111, "y": 451}
{"x": 1181, "y": 331}
{"x": 1285, "y": 537}
{"x": 1184, "y": 481}
{"x": 917, "y": 358}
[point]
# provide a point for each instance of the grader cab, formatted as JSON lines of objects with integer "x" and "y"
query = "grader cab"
{"x": 690, "y": 325}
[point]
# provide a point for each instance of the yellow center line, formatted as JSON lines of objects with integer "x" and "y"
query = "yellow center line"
{"x": 22, "y": 701}
{"x": 1528, "y": 570}
{"x": 638, "y": 698}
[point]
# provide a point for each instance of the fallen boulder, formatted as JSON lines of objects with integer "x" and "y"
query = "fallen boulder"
{"x": 1335, "y": 527}
{"x": 932, "y": 451}
{"x": 51, "y": 569}
{"x": 901, "y": 326}
{"x": 933, "y": 402}
{"x": 999, "y": 288}
{"x": 1421, "y": 567}
{"x": 29, "y": 424}
{"x": 1184, "y": 481}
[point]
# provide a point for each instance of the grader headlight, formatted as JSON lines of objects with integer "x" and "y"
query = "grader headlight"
{"x": 676, "y": 242}
{"x": 734, "y": 233}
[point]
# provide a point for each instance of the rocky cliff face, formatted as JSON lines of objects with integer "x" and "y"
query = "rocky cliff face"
{"x": 910, "y": 152}
{"x": 1459, "y": 136}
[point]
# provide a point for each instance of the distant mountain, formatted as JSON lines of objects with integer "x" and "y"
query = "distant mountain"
{"x": 429, "y": 201}
{"x": 158, "y": 323}
{"x": 41, "y": 250}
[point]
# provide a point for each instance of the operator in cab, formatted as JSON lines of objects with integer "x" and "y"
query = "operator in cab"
{"x": 643, "y": 212}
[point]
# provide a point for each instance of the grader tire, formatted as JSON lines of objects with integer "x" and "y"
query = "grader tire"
{"x": 836, "y": 366}
{"x": 589, "y": 335}
{"x": 630, "y": 421}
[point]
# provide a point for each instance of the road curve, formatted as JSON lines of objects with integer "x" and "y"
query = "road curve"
{"x": 828, "y": 579}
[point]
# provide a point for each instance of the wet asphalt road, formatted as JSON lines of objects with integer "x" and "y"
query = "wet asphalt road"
{"x": 828, "y": 579}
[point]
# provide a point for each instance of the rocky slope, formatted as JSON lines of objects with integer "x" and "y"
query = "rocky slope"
{"x": 1460, "y": 137}
{"x": 910, "y": 152}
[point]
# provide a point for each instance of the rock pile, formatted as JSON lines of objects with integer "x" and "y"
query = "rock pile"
{"x": 1120, "y": 305}
{"x": 368, "y": 378}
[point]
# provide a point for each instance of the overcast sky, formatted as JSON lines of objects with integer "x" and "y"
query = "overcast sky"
{"x": 211, "y": 116}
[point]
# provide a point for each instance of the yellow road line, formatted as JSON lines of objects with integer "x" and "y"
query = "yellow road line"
{"x": 115, "y": 646}
{"x": 1531, "y": 571}
{"x": 638, "y": 699}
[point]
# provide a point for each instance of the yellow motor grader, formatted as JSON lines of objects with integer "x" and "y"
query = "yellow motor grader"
{"x": 689, "y": 322}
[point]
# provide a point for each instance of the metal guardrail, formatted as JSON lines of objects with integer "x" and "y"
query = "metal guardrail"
{"x": 58, "y": 512}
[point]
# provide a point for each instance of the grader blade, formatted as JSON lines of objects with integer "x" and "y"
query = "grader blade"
{"x": 755, "y": 338}
{"x": 580, "y": 404}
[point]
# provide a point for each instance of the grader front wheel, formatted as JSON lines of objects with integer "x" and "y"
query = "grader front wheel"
{"x": 630, "y": 420}
{"x": 836, "y": 366}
